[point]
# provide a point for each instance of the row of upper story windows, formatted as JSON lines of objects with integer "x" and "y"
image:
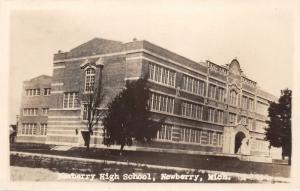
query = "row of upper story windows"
{"x": 216, "y": 92}
{"x": 163, "y": 103}
{"x": 193, "y": 85}
{"x": 37, "y": 92}
{"x": 167, "y": 76}
{"x": 161, "y": 74}
{"x": 247, "y": 103}
{"x": 34, "y": 111}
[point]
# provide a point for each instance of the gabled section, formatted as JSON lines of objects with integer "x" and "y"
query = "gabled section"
{"x": 235, "y": 68}
{"x": 40, "y": 78}
{"x": 96, "y": 46}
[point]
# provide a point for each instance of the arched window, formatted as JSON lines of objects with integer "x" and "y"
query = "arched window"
{"x": 233, "y": 97}
{"x": 89, "y": 80}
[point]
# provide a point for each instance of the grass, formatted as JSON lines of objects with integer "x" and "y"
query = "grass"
{"x": 218, "y": 163}
{"x": 80, "y": 167}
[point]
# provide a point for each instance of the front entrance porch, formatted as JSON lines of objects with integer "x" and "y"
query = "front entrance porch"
{"x": 237, "y": 140}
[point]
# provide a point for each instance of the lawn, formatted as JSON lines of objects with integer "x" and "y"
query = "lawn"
{"x": 44, "y": 168}
{"x": 205, "y": 162}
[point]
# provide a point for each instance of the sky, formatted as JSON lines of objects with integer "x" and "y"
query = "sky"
{"x": 260, "y": 34}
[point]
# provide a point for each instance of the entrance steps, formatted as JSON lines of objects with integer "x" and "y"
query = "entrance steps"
{"x": 62, "y": 148}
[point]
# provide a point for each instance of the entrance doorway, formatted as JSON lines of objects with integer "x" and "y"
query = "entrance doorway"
{"x": 238, "y": 141}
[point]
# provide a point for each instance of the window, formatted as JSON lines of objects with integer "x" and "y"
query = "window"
{"x": 190, "y": 135}
{"x": 162, "y": 103}
{"x": 220, "y": 116}
{"x": 250, "y": 124}
{"x": 251, "y": 104}
{"x": 70, "y": 100}
{"x": 232, "y": 118}
{"x": 247, "y": 103}
{"x": 161, "y": 74}
{"x": 211, "y": 114}
{"x": 204, "y": 137}
{"x": 85, "y": 112}
{"x": 244, "y": 120}
{"x": 191, "y": 110}
{"x": 89, "y": 80}
{"x": 244, "y": 102}
{"x": 165, "y": 133}
{"x": 212, "y": 91}
{"x": 193, "y": 85}
{"x": 47, "y": 91}
{"x": 220, "y": 94}
{"x": 233, "y": 97}
{"x": 185, "y": 134}
{"x": 219, "y": 137}
{"x": 28, "y": 129}
{"x": 43, "y": 128}
{"x": 217, "y": 93}
{"x": 33, "y": 92}
{"x": 262, "y": 108}
{"x": 260, "y": 126}
{"x": 210, "y": 137}
{"x": 45, "y": 111}
{"x": 30, "y": 111}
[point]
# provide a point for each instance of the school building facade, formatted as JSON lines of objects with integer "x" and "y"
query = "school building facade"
{"x": 209, "y": 108}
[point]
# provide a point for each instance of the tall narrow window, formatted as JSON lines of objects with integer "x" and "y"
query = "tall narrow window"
{"x": 70, "y": 100}
{"x": 233, "y": 97}
{"x": 29, "y": 128}
{"x": 45, "y": 111}
{"x": 244, "y": 120}
{"x": 212, "y": 91}
{"x": 232, "y": 118}
{"x": 162, "y": 103}
{"x": 193, "y": 85}
{"x": 251, "y": 104}
{"x": 43, "y": 128}
{"x": 165, "y": 132}
{"x": 220, "y": 115}
{"x": 85, "y": 112}
{"x": 250, "y": 123}
{"x": 211, "y": 114}
{"x": 161, "y": 74}
{"x": 47, "y": 91}
{"x": 220, "y": 94}
{"x": 89, "y": 80}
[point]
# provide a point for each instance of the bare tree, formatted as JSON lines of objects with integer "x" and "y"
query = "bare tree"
{"x": 93, "y": 113}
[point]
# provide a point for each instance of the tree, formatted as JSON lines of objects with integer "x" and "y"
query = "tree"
{"x": 92, "y": 113}
{"x": 279, "y": 131}
{"x": 128, "y": 116}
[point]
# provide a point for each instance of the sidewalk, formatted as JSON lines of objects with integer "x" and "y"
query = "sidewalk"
{"x": 133, "y": 167}
{"x": 204, "y": 162}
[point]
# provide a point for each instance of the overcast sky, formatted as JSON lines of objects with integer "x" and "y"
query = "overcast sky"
{"x": 260, "y": 35}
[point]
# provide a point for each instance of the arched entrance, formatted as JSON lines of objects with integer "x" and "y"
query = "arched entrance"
{"x": 238, "y": 141}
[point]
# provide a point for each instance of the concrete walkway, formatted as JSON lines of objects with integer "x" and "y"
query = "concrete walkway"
{"x": 241, "y": 176}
